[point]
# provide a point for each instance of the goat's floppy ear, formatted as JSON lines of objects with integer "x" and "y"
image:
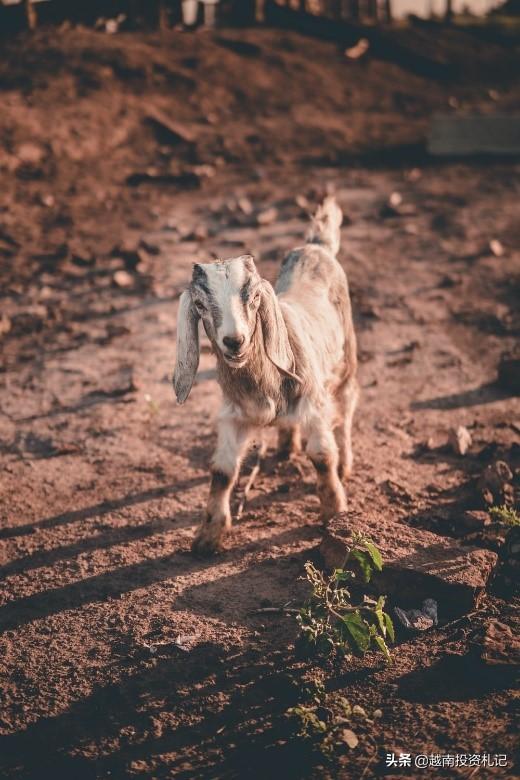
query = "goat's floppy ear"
{"x": 187, "y": 357}
{"x": 274, "y": 332}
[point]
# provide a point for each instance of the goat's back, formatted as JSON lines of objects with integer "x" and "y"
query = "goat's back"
{"x": 313, "y": 292}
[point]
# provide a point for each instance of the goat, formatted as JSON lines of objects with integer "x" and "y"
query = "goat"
{"x": 285, "y": 357}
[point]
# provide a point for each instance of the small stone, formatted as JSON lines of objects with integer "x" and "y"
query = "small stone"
{"x": 5, "y": 324}
{"x": 245, "y": 205}
{"x": 123, "y": 279}
{"x": 204, "y": 171}
{"x": 48, "y": 200}
{"x": 350, "y": 738}
{"x": 30, "y": 154}
{"x": 45, "y": 293}
{"x": 500, "y": 646}
{"x": 459, "y": 440}
{"x": 414, "y": 174}
{"x": 496, "y": 247}
{"x": 267, "y": 217}
{"x": 358, "y": 50}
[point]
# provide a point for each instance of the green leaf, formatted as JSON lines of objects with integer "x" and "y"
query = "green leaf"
{"x": 358, "y": 630}
{"x": 365, "y": 563}
{"x": 380, "y": 642}
{"x": 378, "y": 612}
{"x": 340, "y": 575}
{"x": 377, "y": 558}
{"x": 389, "y": 626}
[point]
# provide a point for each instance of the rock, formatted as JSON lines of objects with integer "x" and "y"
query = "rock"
{"x": 123, "y": 279}
{"x": 48, "y": 200}
{"x": 459, "y": 439}
{"x": 267, "y": 217}
{"x": 5, "y": 324}
{"x": 358, "y": 50}
{"x": 496, "y": 247}
{"x": 418, "y": 564}
{"x": 349, "y": 738}
{"x": 509, "y": 371}
{"x": 30, "y": 154}
{"x": 204, "y": 171}
{"x": 495, "y": 485}
{"x": 500, "y": 646}
{"x": 245, "y": 205}
{"x": 419, "y": 619}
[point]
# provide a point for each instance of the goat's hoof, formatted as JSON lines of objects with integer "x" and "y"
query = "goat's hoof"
{"x": 344, "y": 473}
{"x": 205, "y": 546}
{"x": 329, "y": 513}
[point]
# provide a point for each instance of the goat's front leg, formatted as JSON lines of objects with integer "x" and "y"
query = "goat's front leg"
{"x": 232, "y": 440}
{"x": 323, "y": 451}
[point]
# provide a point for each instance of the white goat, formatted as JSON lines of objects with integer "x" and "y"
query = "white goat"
{"x": 286, "y": 359}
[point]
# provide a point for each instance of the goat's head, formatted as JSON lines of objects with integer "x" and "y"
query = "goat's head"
{"x": 231, "y": 299}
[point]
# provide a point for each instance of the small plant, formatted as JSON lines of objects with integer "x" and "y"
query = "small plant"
{"x": 331, "y": 725}
{"x": 331, "y": 623}
{"x": 504, "y": 514}
{"x": 309, "y": 725}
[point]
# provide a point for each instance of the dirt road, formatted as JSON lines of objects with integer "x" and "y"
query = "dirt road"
{"x": 121, "y": 654}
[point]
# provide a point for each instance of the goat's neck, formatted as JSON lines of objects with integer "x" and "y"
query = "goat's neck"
{"x": 255, "y": 386}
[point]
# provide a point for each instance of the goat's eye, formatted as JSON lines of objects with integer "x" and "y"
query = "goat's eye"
{"x": 200, "y": 306}
{"x": 255, "y": 299}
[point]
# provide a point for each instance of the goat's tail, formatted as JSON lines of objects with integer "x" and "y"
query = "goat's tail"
{"x": 325, "y": 225}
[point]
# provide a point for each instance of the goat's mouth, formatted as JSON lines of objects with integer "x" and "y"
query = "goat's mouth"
{"x": 235, "y": 360}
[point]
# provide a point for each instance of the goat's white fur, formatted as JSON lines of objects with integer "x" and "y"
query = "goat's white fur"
{"x": 296, "y": 370}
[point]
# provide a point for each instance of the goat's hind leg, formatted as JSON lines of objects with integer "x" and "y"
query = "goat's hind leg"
{"x": 323, "y": 452}
{"x": 346, "y": 402}
{"x": 231, "y": 443}
{"x": 289, "y": 440}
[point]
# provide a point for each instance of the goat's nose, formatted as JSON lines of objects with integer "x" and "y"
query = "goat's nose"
{"x": 233, "y": 342}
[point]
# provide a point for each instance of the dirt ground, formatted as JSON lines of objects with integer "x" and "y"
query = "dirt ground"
{"x": 124, "y": 159}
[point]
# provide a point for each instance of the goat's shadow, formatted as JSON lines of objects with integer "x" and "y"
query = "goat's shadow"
{"x": 231, "y": 702}
{"x": 256, "y": 687}
{"x": 102, "y": 508}
{"x": 484, "y": 394}
{"x": 125, "y": 579}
